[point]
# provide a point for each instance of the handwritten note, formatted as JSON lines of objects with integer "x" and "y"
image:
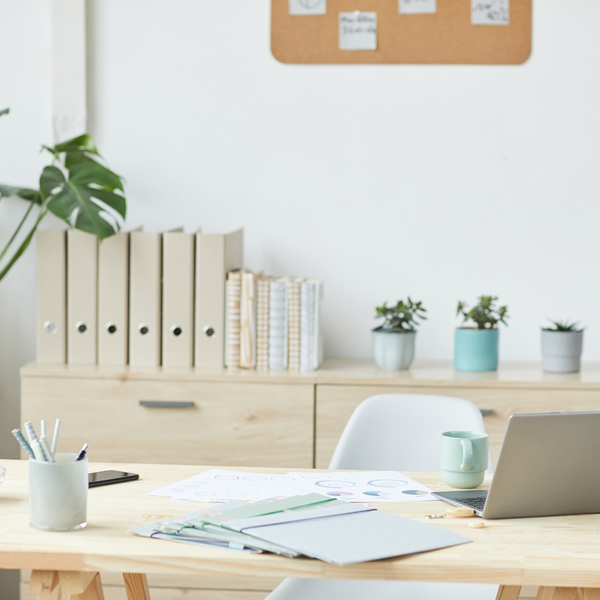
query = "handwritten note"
{"x": 308, "y": 7}
{"x": 358, "y": 30}
{"x": 417, "y": 7}
{"x": 489, "y": 12}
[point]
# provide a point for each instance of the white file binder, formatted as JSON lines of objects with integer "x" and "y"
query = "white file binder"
{"x": 178, "y": 299}
{"x": 216, "y": 255}
{"x": 113, "y": 299}
{"x": 82, "y": 296}
{"x": 144, "y": 299}
{"x": 51, "y": 300}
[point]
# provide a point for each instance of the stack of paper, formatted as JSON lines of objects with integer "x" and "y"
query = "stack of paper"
{"x": 311, "y": 525}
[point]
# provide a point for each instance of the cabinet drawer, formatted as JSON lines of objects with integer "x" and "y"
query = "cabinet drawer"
{"x": 335, "y": 404}
{"x": 210, "y": 423}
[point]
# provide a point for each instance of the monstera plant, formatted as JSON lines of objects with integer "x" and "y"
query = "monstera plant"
{"x": 77, "y": 187}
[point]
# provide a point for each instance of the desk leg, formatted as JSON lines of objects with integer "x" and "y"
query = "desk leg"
{"x": 51, "y": 585}
{"x": 508, "y": 592}
{"x": 45, "y": 585}
{"x": 136, "y": 586}
{"x": 93, "y": 591}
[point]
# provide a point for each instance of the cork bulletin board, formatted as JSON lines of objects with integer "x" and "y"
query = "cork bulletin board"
{"x": 446, "y": 36}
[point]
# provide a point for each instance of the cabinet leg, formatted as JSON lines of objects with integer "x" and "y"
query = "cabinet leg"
{"x": 136, "y": 586}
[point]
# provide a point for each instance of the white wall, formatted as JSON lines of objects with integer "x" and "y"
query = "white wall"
{"x": 23, "y": 88}
{"x": 438, "y": 182}
{"x": 434, "y": 181}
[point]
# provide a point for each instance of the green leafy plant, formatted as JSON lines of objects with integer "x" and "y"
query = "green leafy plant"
{"x": 77, "y": 187}
{"x": 563, "y": 326}
{"x": 485, "y": 314}
{"x": 402, "y": 317}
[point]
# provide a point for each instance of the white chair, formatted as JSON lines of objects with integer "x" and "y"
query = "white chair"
{"x": 395, "y": 432}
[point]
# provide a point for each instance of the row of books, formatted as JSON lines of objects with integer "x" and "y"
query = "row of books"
{"x": 273, "y": 323}
{"x": 139, "y": 298}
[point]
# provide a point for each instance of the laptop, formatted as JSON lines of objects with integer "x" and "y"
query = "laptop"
{"x": 549, "y": 465}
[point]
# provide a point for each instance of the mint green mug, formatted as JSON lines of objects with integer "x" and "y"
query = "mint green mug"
{"x": 464, "y": 458}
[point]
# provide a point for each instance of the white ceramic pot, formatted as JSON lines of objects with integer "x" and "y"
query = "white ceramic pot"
{"x": 393, "y": 350}
{"x": 561, "y": 351}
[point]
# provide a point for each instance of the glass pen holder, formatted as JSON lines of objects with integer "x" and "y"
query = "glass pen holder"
{"x": 58, "y": 493}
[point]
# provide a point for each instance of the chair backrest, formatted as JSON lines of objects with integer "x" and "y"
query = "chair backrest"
{"x": 401, "y": 432}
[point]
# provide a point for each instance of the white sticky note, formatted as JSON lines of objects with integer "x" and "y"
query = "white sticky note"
{"x": 489, "y": 12}
{"x": 358, "y": 30}
{"x": 417, "y": 7}
{"x": 308, "y": 7}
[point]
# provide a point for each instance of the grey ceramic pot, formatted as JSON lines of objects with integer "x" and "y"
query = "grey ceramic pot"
{"x": 561, "y": 351}
{"x": 393, "y": 350}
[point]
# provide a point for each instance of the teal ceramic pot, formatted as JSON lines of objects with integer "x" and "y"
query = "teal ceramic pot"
{"x": 392, "y": 350}
{"x": 476, "y": 349}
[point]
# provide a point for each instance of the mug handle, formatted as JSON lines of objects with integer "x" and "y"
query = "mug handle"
{"x": 467, "y": 463}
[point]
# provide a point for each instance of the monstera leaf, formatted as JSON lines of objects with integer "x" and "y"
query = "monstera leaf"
{"x": 90, "y": 199}
{"x": 77, "y": 188}
{"x": 6, "y": 191}
{"x": 77, "y": 150}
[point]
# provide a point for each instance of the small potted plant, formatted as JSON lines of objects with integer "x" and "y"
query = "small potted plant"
{"x": 561, "y": 347}
{"x": 394, "y": 341}
{"x": 476, "y": 348}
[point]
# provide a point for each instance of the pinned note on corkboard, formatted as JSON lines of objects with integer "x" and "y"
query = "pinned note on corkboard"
{"x": 496, "y": 32}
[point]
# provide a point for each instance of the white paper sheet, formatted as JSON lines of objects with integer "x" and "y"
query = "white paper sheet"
{"x": 220, "y": 485}
{"x": 308, "y": 7}
{"x": 366, "y": 486}
{"x": 358, "y": 30}
{"x": 179, "y": 487}
{"x": 489, "y": 12}
{"x": 416, "y": 7}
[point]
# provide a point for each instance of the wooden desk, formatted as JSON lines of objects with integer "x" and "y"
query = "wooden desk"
{"x": 554, "y": 552}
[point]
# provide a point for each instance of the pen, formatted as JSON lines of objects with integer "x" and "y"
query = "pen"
{"x": 19, "y": 437}
{"x": 82, "y": 452}
{"x": 37, "y": 451}
{"x": 55, "y": 436}
{"x": 44, "y": 445}
{"x": 31, "y": 434}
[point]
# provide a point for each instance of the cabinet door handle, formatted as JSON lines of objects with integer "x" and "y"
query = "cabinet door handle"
{"x": 167, "y": 404}
{"x": 487, "y": 412}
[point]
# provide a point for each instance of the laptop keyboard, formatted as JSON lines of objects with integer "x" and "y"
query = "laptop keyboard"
{"x": 476, "y": 503}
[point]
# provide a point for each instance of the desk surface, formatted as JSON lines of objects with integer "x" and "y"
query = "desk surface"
{"x": 555, "y": 551}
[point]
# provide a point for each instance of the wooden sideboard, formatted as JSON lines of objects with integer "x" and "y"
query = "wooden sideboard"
{"x": 265, "y": 418}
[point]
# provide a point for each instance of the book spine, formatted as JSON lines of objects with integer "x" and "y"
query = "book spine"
{"x": 308, "y": 355}
{"x": 262, "y": 323}
{"x": 294, "y": 324}
{"x": 277, "y": 325}
{"x": 234, "y": 292}
{"x": 247, "y": 321}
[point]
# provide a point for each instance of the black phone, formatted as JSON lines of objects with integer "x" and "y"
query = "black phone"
{"x": 110, "y": 477}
